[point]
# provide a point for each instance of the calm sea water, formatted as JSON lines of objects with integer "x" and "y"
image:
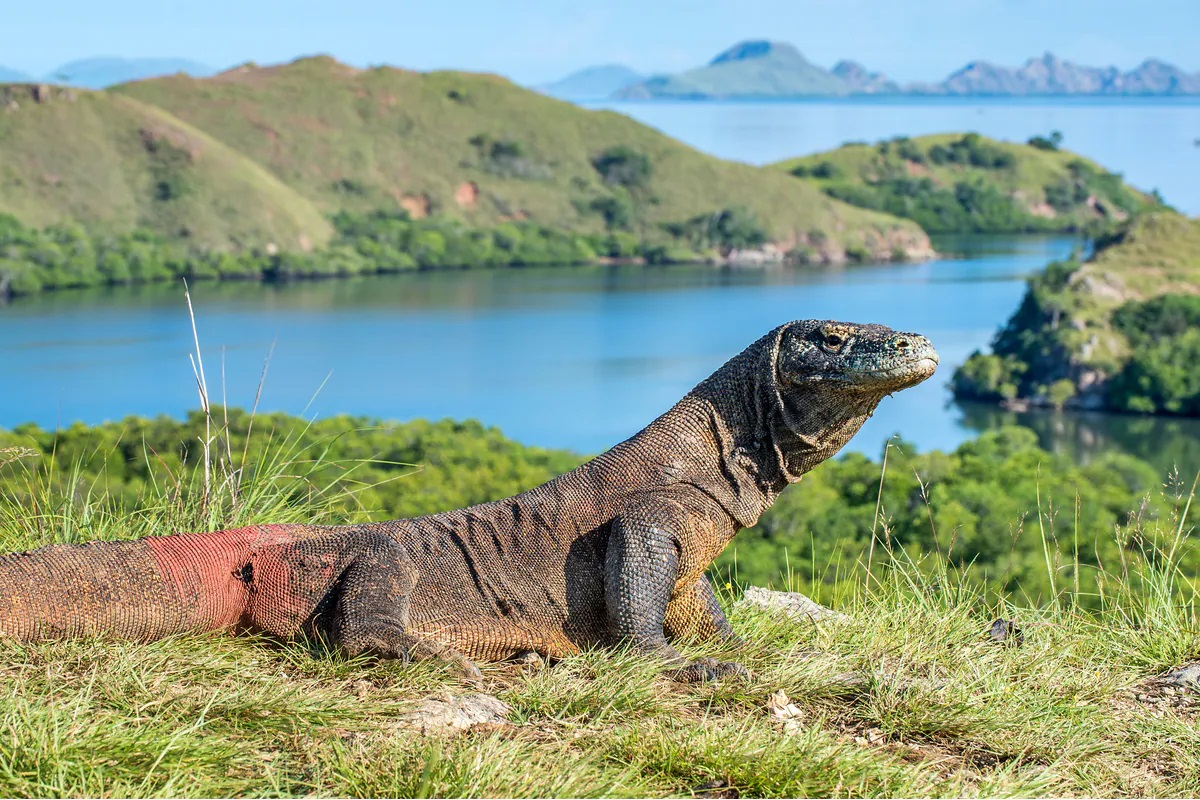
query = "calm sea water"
{"x": 1152, "y": 141}
{"x": 568, "y": 357}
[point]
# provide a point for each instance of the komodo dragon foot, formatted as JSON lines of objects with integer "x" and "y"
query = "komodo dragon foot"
{"x": 704, "y": 670}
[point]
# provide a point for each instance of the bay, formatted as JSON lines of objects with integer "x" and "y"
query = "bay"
{"x": 575, "y": 357}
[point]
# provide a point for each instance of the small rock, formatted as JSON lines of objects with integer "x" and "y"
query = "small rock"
{"x": 714, "y": 788}
{"x": 1186, "y": 677}
{"x": 456, "y": 713}
{"x": 529, "y": 659}
{"x": 1006, "y": 632}
{"x": 792, "y": 604}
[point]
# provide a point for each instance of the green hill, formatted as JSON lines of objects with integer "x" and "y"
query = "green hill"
{"x": 482, "y": 149}
{"x": 1118, "y": 332}
{"x": 114, "y": 163}
{"x": 958, "y": 183}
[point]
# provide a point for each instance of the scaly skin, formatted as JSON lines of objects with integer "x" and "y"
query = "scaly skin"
{"x": 614, "y": 551}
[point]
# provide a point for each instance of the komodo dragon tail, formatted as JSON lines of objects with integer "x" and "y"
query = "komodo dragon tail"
{"x": 138, "y": 590}
{"x": 351, "y": 586}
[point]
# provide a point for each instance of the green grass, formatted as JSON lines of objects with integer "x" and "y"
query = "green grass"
{"x": 907, "y": 697}
{"x": 262, "y": 156}
{"x": 1156, "y": 255}
{"x": 116, "y": 164}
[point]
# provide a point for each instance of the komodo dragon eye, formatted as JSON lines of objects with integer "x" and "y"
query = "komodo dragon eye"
{"x": 832, "y": 340}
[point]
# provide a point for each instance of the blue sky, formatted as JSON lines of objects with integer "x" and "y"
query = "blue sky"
{"x": 545, "y": 39}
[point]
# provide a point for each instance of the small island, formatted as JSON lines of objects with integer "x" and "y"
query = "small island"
{"x": 968, "y": 183}
{"x": 1118, "y": 332}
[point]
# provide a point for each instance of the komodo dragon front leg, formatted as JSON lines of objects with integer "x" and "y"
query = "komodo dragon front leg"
{"x": 694, "y": 613}
{"x": 644, "y": 601}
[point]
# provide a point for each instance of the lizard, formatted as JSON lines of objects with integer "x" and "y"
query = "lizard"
{"x": 612, "y": 552}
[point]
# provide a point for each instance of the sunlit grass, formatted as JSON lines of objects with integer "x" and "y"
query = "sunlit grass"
{"x": 906, "y": 696}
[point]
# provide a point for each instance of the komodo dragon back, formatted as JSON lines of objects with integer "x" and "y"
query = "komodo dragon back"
{"x": 614, "y": 551}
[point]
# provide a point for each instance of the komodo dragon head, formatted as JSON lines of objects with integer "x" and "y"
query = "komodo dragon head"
{"x": 797, "y": 395}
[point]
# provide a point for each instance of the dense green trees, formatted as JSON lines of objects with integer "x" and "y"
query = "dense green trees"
{"x": 69, "y": 256}
{"x": 1163, "y": 371}
{"x": 1024, "y": 520}
{"x": 991, "y": 505}
{"x": 725, "y": 230}
{"x": 969, "y": 206}
{"x": 972, "y": 150}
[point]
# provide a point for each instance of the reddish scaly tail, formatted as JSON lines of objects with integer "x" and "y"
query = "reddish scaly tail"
{"x": 140, "y": 590}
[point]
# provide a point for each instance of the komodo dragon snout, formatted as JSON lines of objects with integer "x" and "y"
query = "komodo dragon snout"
{"x": 614, "y": 551}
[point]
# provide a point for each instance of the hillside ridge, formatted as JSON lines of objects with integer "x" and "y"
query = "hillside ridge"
{"x": 478, "y": 148}
{"x": 1117, "y": 332}
{"x": 108, "y": 160}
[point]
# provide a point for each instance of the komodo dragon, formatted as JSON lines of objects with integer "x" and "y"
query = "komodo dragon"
{"x": 613, "y": 551}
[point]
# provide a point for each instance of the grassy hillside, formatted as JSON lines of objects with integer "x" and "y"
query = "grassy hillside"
{"x": 480, "y": 148}
{"x": 906, "y": 696}
{"x": 1120, "y": 331}
{"x": 116, "y": 164}
{"x": 969, "y": 183}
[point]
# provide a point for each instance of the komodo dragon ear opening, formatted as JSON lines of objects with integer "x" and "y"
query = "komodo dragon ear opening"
{"x": 789, "y": 349}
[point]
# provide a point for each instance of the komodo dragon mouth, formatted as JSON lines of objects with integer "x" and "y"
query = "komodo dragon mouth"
{"x": 914, "y": 372}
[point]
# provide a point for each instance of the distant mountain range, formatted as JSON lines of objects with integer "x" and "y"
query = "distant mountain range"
{"x": 1051, "y": 75}
{"x": 593, "y": 83}
{"x": 100, "y": 73}
{"x": 761, "y": 68}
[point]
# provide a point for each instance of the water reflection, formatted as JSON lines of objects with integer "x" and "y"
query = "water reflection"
{"x": 1164, "y": 442}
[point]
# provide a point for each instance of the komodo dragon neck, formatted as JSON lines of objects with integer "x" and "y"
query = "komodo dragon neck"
{"x": 739, "y": 439}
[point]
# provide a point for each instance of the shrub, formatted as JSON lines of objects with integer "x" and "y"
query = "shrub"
{"x": 1047, "y": 143}
{"x": 988, "y": 377}
{"x": 623, "y": 166}
{"x": 616, "y": 209}
{"x": 1060, "y": 392}
{"x": 827, "y": 170}
{"x": 736, "y": 229}
{"x": 1161, "y": 374}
